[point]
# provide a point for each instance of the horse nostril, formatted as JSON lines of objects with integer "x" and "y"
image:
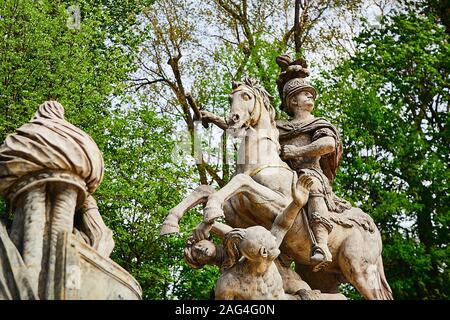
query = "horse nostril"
{"x": 235, "y": 118}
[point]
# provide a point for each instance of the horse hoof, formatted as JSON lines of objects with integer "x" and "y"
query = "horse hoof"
{"x": 169, "y": 228}
{"x": 212, "y": 213}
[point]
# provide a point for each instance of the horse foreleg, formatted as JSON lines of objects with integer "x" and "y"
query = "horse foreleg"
{"x": 199, "y": 195}
{"x": 255, "y": 192}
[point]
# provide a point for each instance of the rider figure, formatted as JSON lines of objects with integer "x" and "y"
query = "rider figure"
{"x": 311, "y": 146}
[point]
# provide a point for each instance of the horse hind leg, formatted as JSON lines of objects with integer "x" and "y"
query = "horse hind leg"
{"x": 368, "y": 278}
{"x": 370, "y": 284}
{"x": 199, "y": 195}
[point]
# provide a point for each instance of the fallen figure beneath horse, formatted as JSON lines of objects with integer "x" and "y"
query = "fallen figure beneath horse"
{"x": 248, "y": 258}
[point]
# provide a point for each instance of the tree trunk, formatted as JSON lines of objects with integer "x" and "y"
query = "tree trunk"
{"x": 297, "y": 29}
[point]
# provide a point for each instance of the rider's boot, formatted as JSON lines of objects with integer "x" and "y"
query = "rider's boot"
{"x": 320, "y": 254}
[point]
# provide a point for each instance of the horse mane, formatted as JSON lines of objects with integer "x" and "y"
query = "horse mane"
{"x": 231, "y": 244}
{"x": 259, "y": 89}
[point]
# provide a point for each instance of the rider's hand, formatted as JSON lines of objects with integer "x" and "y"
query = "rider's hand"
{"x": 289, "y": 151}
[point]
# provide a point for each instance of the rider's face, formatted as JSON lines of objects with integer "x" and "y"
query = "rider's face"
{"x": 303, "y": 100}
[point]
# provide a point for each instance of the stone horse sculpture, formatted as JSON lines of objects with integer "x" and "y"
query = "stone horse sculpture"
{"x": 261, "y": 190}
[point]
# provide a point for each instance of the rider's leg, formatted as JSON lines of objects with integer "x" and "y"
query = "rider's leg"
{"x": 320, "y": 223}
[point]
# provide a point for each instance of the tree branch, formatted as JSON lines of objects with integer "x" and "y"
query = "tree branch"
{"x": 214, "y": 175}
{"x": 196, "y": 109}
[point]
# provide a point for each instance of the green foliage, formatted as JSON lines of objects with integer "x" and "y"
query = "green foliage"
{"x": 142, "y": 183}
{"x": 43, "y": 56}
{"x": 260, "y": 64}
{"x": 391, "y": 103}
{"x": 85, "y": 69}
{"x": 350, "y": 292}
{"x": 196, "y": 283}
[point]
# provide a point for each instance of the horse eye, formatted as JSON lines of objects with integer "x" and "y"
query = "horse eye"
{"x": 246, "y": 96}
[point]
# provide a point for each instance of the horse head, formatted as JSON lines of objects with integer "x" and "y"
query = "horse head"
{"x": 250, "y": 107}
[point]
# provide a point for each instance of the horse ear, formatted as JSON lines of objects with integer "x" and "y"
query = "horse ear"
{"x": 234, "y": 84}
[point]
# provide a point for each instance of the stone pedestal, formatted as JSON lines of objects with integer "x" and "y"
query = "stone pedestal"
{"x": 83, "y": 274}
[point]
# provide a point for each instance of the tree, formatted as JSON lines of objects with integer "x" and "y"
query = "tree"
{"x": 142, "y": 183}
{"x": 133, "y": 73}
{"x": 192, "y": 52}
{"x": 79, "y": 55}
{"x": 391, "y": 102}
{"x": 45, "y": 54}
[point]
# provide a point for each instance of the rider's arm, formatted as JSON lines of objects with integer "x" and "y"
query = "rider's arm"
{"x": 316, "y": 148}
{"x": 212, "y": 118}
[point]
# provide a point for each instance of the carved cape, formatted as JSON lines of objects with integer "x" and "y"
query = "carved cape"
{"x": 318, "y": 128}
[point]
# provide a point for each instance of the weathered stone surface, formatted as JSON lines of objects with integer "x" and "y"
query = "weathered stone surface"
{"x": 330, "y": 242}
{"x": 14, "y": 283}
{"x": 49, "y": 142}
{"x": 48, "y": 172}
{"x": 248, "y": 257}
{"x": 85, "y": 274}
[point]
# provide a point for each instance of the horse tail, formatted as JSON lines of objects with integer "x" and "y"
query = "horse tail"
{"x": 385, "y": 292}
